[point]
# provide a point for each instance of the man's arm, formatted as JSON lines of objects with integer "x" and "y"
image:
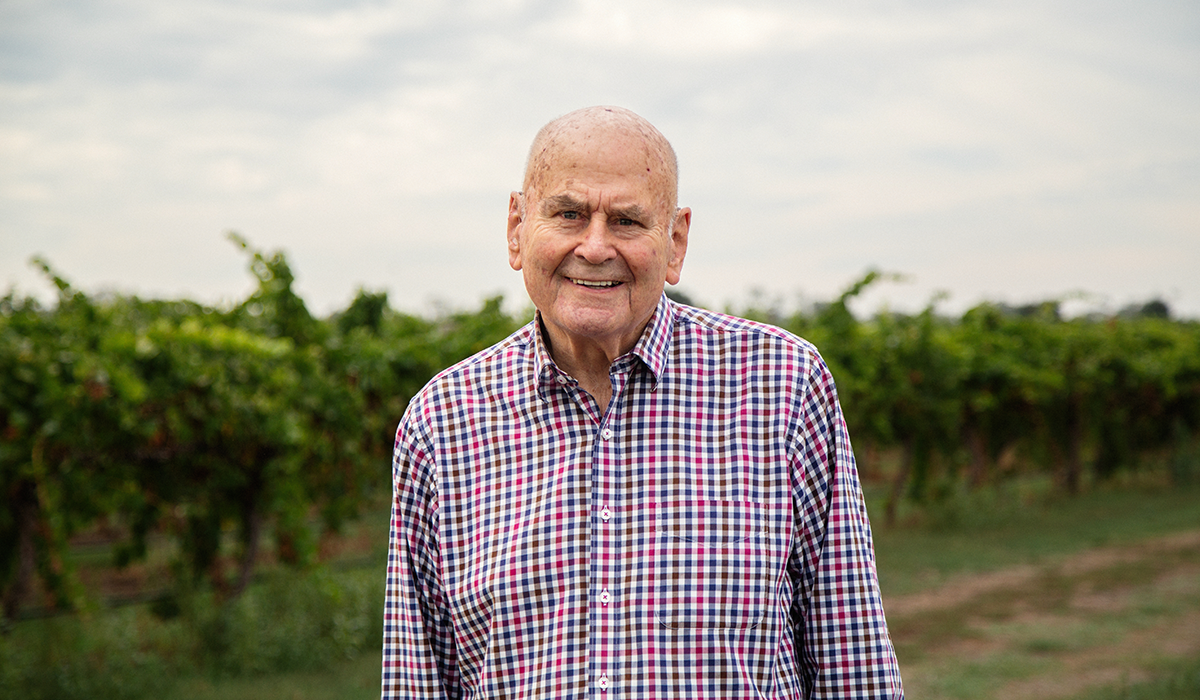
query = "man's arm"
{"x": 843, "y": 645}
{"x": 419, "y": 653}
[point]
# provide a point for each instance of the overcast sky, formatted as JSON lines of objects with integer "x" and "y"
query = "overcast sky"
{"x": 1008, "y": 150}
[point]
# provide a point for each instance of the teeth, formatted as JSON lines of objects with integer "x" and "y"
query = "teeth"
{"x": 597, "y": 285}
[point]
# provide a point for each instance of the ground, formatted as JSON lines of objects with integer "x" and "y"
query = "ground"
{"x": 1099, "y": 617}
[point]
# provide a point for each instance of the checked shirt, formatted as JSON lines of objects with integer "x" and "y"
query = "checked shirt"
{"x": 704, "y": 537}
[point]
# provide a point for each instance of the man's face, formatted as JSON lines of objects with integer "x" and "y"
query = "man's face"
{"x": 594, "y": 240}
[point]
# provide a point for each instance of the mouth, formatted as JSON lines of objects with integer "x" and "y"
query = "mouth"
{"x": 595, "y": 284}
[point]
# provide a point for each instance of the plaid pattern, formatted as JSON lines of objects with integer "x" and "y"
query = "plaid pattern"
{"x": 704, "y": 538}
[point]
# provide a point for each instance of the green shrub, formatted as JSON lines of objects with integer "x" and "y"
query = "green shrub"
{"x": 286, "y": 622}
{"x": 111, "y": 656}
{"x": 290, "y": 622}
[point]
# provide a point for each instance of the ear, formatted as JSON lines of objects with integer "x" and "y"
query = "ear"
{"x": 516, "y": 210}
{"x": 678, "y": 243}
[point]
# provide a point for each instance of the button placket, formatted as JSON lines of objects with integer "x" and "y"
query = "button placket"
{"x": 608, "y": 480}
{"x": 602, "y": 614}
{"x": 606, "y": 548}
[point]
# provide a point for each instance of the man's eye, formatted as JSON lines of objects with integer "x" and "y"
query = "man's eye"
{"x": 570, "y": 215}
{"x": 626, "y": 222}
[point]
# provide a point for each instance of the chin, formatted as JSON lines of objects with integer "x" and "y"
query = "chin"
{"x": 593, "y": 322}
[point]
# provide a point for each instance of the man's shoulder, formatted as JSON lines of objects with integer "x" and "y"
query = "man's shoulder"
{"x": 758, "y": 353}
{"x": 517, "y": 347}
{"x": 500, "y": 363}
{"x": 721, "y": 327}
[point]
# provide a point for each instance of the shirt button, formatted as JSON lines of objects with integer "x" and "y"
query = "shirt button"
{"x": 606, "y": 433}
{"x": 562, "y": 379}
{"x": 605, "y": 513}
{"x": 603, "y": 683}
{"x": 605, "y": 597}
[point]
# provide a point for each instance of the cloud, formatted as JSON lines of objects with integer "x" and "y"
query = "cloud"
{"x": 377, "y": 141}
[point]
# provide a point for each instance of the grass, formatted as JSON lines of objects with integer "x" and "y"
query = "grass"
{"x": 1052, "y": 626}
{"x": 975, "y": 679}
{"x": 999, "y": 535}
{"x": 1050, "y": 592}
{"x": 346, "y": 680}
{"x": 1174, "y": 681}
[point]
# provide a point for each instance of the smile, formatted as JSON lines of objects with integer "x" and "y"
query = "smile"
{"x": 594, "y": 284}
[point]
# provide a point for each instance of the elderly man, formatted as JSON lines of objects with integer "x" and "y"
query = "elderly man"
{"x": 628, "y": 497}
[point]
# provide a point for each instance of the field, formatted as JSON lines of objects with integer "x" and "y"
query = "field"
{"x": 1091, "y": 598}
{"x": 1095, "y": 597}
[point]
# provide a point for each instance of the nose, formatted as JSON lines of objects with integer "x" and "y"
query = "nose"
{"x": 596, "y": 246}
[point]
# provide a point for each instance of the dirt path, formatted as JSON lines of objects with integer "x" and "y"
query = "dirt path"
{"x": 1098, "y": 617}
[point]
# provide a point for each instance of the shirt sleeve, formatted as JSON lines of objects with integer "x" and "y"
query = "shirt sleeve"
{"x": 419, "y": 652}
{"x": 842, "y": 638}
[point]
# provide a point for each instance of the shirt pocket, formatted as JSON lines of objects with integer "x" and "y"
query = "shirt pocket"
{"x": 710, "y": 565}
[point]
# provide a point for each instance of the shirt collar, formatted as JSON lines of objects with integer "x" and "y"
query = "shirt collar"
{"x": 652, "y": 347}
{"x": 655, "y": 342}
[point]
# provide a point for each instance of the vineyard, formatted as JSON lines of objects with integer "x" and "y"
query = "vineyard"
{"x": 246, "y": 432}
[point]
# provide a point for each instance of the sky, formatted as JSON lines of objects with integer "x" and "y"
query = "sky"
{"x": 984, "y": 150}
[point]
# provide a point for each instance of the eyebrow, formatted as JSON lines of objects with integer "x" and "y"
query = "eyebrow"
{"x": 562, "y": 202}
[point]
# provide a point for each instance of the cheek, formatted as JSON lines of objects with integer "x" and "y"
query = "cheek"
{"x": 542, "y": 266}
{"x": 540, "y": 251}
{"x": 649, "y": 262}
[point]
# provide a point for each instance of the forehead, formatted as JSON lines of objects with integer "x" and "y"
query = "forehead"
{"x": 617, "y": 161}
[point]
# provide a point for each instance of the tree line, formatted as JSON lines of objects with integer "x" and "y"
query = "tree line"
{"x": 248, "y": 430}
{"x": 1077, "y": 399}
{"x": 212, "y": 427}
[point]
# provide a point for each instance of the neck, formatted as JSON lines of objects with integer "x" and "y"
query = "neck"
{"x": 588, "y": 362}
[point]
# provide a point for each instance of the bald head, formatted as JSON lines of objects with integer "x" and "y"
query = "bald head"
{"x": 597, "y": 125}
